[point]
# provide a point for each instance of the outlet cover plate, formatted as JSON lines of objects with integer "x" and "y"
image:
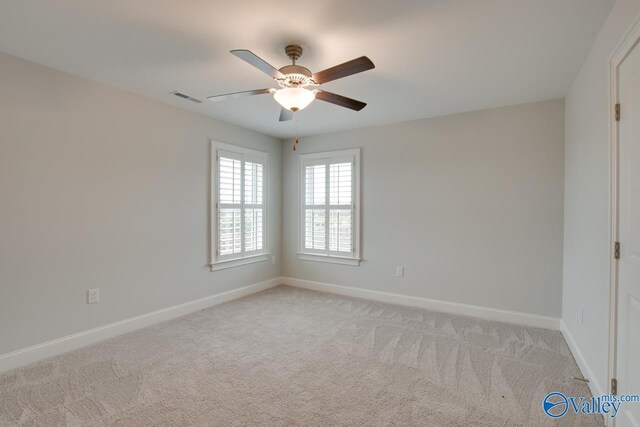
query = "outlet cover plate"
{"x": 93, "y": 296}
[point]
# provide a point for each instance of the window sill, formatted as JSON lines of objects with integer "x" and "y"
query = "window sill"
{"x": 229, "y": 263}
{"x": 355, "y": 262}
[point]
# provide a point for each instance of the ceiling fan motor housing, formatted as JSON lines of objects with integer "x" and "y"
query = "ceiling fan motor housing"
{"x": 296, "y": 76}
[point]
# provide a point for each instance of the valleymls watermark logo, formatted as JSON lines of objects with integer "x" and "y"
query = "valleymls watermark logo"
{"x": 557, "y": 404}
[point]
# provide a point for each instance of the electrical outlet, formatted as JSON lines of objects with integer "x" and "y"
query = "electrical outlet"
{"x": 93, "y": 296}
{"x": 581, "y": 315}
{"x": 273, "y": 260}
{"x": 400, "y": 271}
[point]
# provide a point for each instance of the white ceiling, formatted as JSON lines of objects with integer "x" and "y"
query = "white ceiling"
{"x": 433, "y": 57}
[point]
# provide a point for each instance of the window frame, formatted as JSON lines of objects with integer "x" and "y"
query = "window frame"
{"x": 217, "y": 261}
{"x": 327, "y": 158}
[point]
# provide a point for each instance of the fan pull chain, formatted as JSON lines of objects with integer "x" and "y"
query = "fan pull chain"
{"x": 296, "y": 140}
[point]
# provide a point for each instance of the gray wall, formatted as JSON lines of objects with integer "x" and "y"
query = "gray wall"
{"x": 469, "y": 204}
{"x": 586, "y": 224}
{"x": 103, "y": 188}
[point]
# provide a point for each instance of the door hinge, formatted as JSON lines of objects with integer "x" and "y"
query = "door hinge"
{"x": 614, "y": 386}
{"x": 617, "y": 112}
{"x": 616, "y": 250}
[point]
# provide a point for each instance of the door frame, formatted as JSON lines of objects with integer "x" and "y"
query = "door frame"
{"x": 629, "y": 40}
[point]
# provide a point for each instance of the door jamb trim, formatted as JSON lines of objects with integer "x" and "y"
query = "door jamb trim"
{"x": 629, "y": 40}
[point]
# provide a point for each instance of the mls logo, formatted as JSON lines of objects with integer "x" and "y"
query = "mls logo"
{"x": 555, "y": 405}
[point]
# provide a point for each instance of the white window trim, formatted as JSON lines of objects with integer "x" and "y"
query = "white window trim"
{"x": 236, "y": 262}
{"x": 310, "y": 255}
{"x": 329, "y": 258}
{"x": 218, "y": 262}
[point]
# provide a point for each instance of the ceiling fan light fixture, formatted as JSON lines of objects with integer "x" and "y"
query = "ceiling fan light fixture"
{"x": 294, "y": 81}
{"x": 294, "y": 98}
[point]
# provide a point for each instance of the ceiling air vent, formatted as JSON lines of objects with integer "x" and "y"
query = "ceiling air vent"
{"x": 187, "y": 97}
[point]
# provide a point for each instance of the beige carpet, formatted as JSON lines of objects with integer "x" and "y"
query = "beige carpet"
{"x": 291, "y": 357}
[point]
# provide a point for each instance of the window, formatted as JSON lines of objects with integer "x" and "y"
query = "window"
{"x": 329, "y": 207}
{"x": 239, "y": 202}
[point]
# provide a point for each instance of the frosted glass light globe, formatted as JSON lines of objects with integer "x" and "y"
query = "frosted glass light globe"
{"x": 294, "y": 98}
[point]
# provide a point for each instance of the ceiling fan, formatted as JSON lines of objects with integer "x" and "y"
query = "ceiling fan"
{"x": 294, "y": 81}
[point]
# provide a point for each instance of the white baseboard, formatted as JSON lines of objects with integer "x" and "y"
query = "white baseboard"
{"x": 594, "y": 384}
{"x": 71, "y": 342}
{"x": 524, "y": 319}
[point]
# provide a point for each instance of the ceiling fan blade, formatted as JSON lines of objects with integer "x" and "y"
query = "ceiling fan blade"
{"x": 349, "y": 68}
{"x": 240, "y": 94}
{"x": 285, "y": 115}
{"x": 259, "y": 63}
{"x": 340, "y": 100}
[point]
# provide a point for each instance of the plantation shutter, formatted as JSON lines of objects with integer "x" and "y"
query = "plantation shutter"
{"x": 253, "y": 206}
{"x": 230, "y": 205}
{"x": 328, "y": 206}
{"x": 341, "y": 207}
{"x": 241, "y": 205}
